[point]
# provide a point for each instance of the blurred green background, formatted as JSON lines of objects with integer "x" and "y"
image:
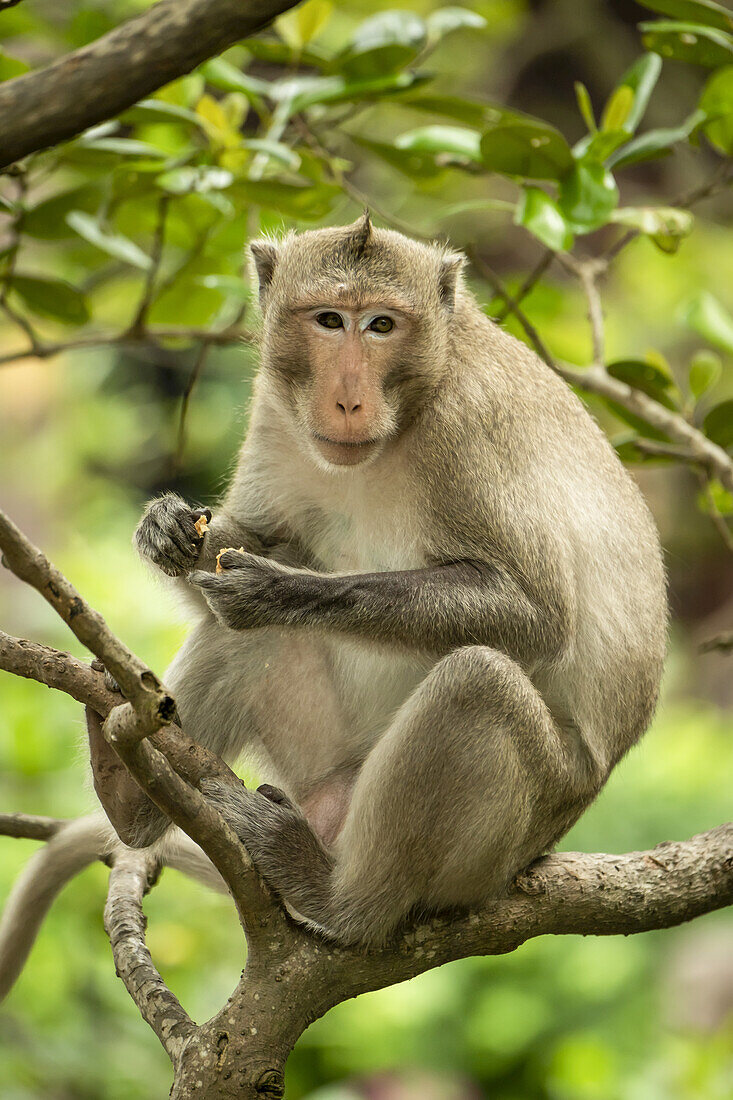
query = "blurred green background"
{"x": 88, "y": 436}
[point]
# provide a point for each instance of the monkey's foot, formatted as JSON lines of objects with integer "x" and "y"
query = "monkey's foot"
{"x": 278, "y": 838}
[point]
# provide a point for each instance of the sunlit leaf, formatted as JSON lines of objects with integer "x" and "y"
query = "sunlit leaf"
{"x": 666, "y": 225}
{"x": 453, "y": 140}
{"x": 52, "y": 298}
{"x": 697, "y": 11}
{"x": 214, "y": 119}
{"x": 311, "y": 91}
{"x": 655, "y": 143}
{"x": 708, "y": 317}
{"x": 717, "y": 103}
{"x": 691, "y": 42}
{"x": 718, "y": 424}
{"x": 599, "y": 146}
{"x": 305, "y": 23}
{"x": 618, "y": 109}
{"x": 586, "y": 197}
{"x": 225, "y": 76}
{"x": 528, "y": 148}
{"x": 540, "y": 214}
{"x": 114, "y": 244}
{"x": 642, "y": 78}
{"x": 385, "y": 42}
{"x": 187, "y": 179}
{"x": 585, "y": 106}
{"x": 705, "y": 370}
{"x": 157, "y": 110}
{"x": 444, "y": 20}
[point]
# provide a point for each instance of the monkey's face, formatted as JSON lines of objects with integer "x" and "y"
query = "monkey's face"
{"x": 355, "y": 335}
{"x": 349, "y": 406}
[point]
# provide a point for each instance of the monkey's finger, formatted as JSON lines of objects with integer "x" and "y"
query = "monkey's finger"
{"x": 201, "y": 579}
{"x": 234, "y": 559}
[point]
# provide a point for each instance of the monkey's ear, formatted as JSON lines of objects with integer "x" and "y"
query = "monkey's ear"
{"x": 449, "y": 273}
{"x": 265, "y": 255}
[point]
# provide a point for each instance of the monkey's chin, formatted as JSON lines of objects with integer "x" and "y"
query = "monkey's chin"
{"x": 333, "y": 453}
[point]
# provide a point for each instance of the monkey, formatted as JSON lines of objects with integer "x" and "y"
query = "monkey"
{"x": 430, "y": 608}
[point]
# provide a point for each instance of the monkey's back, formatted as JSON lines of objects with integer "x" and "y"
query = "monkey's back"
{"x": 516, "y": 470}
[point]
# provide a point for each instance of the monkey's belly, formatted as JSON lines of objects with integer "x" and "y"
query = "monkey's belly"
{"x": 372, "y": 684}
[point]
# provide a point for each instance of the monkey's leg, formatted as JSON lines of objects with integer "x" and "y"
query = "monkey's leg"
{"x": 471, "y": 781}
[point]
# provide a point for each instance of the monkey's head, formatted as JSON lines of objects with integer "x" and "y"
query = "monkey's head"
{"x": 356, "y": 325}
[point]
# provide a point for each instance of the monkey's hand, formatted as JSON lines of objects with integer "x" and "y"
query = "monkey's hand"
{"x": 250, "y": 591}
{"x": 167, "y": 534}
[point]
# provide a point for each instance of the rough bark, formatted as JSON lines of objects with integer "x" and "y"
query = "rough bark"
{"x": 104, "y": 78}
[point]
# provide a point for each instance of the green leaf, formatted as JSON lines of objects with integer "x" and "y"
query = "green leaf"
{"x": 299, "y": 27}
{"x": 647, "y": 377}
{"x": 453, "y": 140}
{"x": 718, "y": 424}
{"x": 599, "y": 147}
{"x": 47, "y": 220}
{"x": 717, "y": 103}
{"x": 225, "y": 76}
{"x": 409, "y": 162}
{"x": 307, "y": 203}
{"x": 655, "y": 143}
{"x": 539, "y": 213}
{"x": 445, "y": 20}
{"x": 114, "y": 244}
{"x": 52, "y": 298}
{"x": 666, "y": 225}
{"x": 384, "y": 43}
{"x": 311, "y": 91}
{"x": 279, "y": 53}
{"x": 705, "y": 370}
{"x": 122, "y": 147}
{"x": 528, "y": 148}
{"x": 636, "y": 422}
{"x": 698, "y": 11}
{"x": 585, "y": 106}
{"x": 630, "y": 454}
{"x": 618, "y": 108}
{"x": 469, "y": 111}
{"x": 691, "y": 42}
{"x": 642, "y": 78}
{"x": 11, "y": 67}
{"x": 709, "y": 318}
{"x": 157, "y": 110}
{"x": 586, "y": 197}
{"x": 185, "y": 180}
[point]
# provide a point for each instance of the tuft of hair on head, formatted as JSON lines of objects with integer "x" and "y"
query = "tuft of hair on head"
{"x": 360, "y": 233}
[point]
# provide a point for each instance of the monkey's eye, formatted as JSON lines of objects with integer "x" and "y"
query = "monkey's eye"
{"x": 330, "y": 320}
{"x": 382, "y": 324}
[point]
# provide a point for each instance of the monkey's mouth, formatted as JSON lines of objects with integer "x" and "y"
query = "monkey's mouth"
{"x": 345, "y": 452}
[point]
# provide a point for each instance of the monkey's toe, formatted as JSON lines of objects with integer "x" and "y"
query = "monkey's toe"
{"x": 274, "y": 794}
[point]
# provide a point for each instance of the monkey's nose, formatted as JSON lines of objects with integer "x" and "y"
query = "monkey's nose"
{"x": 348, "y": 405}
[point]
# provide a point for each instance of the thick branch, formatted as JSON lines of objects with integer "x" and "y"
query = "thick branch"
{"x": 131, "y": 876}
{"x": 104, "y": 78}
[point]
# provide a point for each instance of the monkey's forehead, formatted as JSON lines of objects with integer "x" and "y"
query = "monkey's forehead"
{"x": 324, "y": 262}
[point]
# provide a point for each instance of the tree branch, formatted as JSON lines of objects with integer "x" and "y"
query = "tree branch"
{"x": 30, "y": 826}
{"x": 106, "y": 77}
{"x": 132, "y": 875}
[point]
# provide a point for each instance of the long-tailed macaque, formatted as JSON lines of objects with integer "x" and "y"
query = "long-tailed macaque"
{"x": 447, "y": 620}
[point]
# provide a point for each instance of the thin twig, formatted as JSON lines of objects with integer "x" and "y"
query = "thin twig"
{"x": 156, "y": 256}
{"x": 528, "y": 285}
{"x": 198, "y": 366}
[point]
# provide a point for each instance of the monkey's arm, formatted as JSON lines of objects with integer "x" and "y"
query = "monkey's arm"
{"x": 437, "y": 608}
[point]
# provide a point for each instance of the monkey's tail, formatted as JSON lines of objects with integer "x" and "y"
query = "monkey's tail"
{"x": 77, "y": 844}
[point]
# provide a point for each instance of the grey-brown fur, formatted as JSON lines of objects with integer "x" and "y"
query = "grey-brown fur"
{"x": 440, "y": 652}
